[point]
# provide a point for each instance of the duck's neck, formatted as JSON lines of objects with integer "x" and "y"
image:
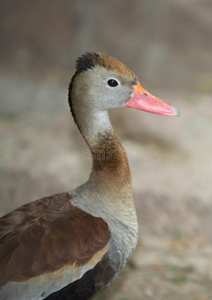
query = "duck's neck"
{"x": 110, "y": 164}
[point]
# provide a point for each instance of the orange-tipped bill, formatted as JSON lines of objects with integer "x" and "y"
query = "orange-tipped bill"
{"x": 143, "y": 100}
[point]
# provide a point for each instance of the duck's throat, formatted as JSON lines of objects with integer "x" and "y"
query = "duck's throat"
{"x": 110, "y": 163}
{"x": 93, "y": 125}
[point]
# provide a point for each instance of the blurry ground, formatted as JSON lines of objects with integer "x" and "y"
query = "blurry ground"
{"x": 168, "y": 44}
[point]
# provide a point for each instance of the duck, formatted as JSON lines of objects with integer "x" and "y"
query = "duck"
{"x": 72, "y": 245}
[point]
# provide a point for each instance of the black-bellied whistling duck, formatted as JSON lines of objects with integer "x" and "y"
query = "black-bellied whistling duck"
{"x": 72, "y": 245}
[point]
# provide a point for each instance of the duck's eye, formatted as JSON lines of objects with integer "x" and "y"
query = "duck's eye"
{"x": 112, "y": 82}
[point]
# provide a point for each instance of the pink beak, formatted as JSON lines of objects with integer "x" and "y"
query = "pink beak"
{"x": 143, "y": 100}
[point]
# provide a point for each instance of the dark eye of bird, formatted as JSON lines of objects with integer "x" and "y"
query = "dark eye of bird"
{"x": 112, "y": 82}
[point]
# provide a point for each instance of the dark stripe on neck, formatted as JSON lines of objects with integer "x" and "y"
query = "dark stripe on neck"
{"x": 70, "y": 98}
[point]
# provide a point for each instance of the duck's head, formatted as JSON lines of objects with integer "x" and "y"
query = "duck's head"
{"x": 102, "y": 82}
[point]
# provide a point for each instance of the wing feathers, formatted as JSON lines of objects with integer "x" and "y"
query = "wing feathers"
{"x": 46, "y": 235}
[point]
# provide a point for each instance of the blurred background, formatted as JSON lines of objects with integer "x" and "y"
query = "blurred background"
{"x": 168, "y": 44}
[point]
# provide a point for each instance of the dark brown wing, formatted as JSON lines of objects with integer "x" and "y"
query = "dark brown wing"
{"x": 46, "y": 235}
{"x": 31, "y": 211}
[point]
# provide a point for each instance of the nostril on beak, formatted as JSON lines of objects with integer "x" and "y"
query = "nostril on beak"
{"x": 145, "y": 94}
